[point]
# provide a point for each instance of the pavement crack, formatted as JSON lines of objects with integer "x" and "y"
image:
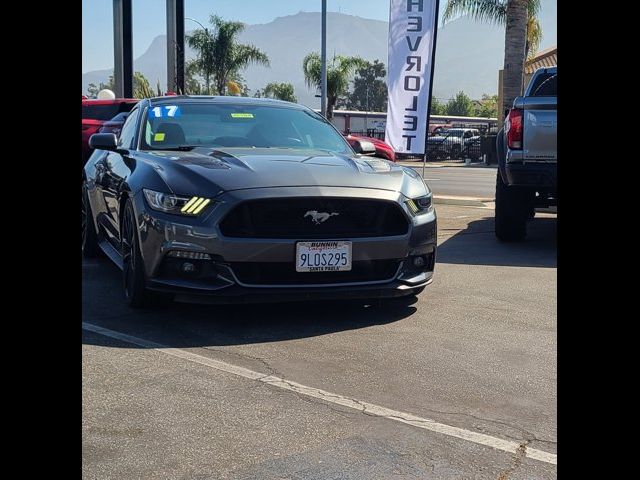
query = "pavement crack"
{"x": 520, "y": 453}
{"x": 359, "y": 407}
{"x": 525, "y": 434}
{"x": 272, "y": 371}
{"x": 317, "y": 402}
{"x": 294, "y": 389}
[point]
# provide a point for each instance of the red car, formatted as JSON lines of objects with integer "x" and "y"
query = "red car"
{"x": 95, "y": 113}
{"x": 383, "y": 150}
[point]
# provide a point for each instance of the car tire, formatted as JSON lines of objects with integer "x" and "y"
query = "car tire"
{"x": 512, "y": 212}
{"x": 133, "y": 271}
{"x": 90, "y": 247}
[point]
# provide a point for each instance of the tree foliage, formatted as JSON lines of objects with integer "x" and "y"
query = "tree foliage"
{"x": 369, "y": 88}
{"x": 141, "y": 87}
{"x": 437, "y": 107}
{"x": 460, "y": 105}
{"x": 194, "y": 82}
{"x": 280, "y": 90}
{"x": 339, "y": 72}
{"x": 495, "y": 11}
{"x": 523, "y": 34}
{"x": 486, "y": 107}
{"x": 219, "y": 56}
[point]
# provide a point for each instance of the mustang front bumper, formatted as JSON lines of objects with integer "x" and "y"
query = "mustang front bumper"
{"x": 217, "y": 279}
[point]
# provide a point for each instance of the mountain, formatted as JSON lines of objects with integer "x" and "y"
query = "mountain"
{"x": 468, "y": 57}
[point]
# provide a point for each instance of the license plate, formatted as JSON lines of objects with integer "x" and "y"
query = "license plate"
{"x": 323, "y": 256}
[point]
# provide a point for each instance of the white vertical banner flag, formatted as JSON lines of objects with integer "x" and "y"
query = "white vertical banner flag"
{"x": 412, "y": 31}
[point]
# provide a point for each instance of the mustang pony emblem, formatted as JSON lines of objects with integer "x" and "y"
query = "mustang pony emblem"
{"x": 320, "y": 217}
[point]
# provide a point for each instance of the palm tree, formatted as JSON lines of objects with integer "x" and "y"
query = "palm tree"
{"x": 534, "y": 36}
{"x": 202, "y": 41}
{"x": 523, "y": 34}
{"x": 219, "y": 56}
{"x": 339, "y": 73}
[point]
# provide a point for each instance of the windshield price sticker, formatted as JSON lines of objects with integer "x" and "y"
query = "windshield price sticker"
{"x": 242, "y": 115}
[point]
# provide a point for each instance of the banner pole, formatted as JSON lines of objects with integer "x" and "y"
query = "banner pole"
{"x": 323, "y": 57}
{"x": 433, "y": 64}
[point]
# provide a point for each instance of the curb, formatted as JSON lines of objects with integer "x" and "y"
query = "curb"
{"x": 464, "y": 201}
{"x": 418, "y": 164}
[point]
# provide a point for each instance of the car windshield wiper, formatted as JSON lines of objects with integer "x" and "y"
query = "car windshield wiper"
{"x": 181, "y": 148}
{"x": 177, "y": 148}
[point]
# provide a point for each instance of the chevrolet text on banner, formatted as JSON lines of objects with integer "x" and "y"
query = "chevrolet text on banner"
{"x": 412, "y": 25}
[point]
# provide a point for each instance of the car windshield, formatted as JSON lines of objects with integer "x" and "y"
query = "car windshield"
{"x": 184, "y": 125}
{"x": 544, "y": 85}
{"x": 547, "y": 88}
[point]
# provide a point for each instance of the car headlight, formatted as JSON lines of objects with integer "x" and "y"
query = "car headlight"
{"x": 419, "y": 205}
{"x": 170, "y": 203}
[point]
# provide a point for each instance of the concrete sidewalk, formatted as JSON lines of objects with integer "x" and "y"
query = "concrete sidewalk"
{"x": 418, "y": 164}
{"x": 464, "y": 201}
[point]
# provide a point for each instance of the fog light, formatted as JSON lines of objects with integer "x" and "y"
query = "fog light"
{"x": 418, "y": 262}
{"x": 189, "y": 255}
{"x": 188, "y": 267}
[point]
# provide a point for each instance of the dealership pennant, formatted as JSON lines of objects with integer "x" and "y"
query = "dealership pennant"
{"x": 412, "y": 32}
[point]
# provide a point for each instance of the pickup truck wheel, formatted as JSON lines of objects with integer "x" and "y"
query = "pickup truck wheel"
{"x": 512, "y": 212}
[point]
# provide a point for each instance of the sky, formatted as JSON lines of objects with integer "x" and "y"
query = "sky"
{"x": 149, "y": 19}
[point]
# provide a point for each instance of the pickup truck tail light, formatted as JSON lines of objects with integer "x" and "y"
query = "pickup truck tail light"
{"x": 513, "y": 129}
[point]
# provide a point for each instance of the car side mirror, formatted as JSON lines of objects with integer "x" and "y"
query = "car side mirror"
{"x": 103, "y": 141}
{"x": 364, "y": 147}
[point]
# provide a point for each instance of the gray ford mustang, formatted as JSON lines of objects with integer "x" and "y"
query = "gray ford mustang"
{"x": 229, "y": 199}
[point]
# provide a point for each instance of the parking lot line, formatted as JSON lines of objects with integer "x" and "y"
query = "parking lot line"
{"x": 364, "y": 407}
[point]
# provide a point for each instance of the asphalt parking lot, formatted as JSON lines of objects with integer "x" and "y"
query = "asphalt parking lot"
{"x": 466, "y": 181}
{"x": 459, "y": 382}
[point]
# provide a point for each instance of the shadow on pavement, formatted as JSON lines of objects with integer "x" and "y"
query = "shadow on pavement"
{"x": 477, "y": 245}
{"x": 183, "y": 325}
{"x": 186, "y": 325}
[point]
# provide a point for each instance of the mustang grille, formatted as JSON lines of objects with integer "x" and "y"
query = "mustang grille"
{"x": 315, "y": 218}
